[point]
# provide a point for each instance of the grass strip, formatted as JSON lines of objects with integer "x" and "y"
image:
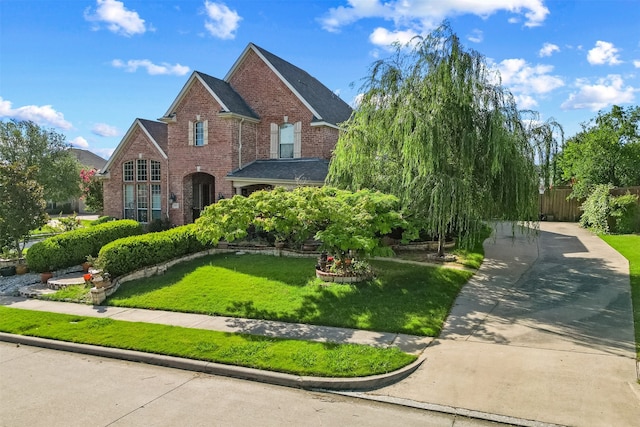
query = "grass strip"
{"x": 628, "y": 246}
{"x": 403, "y": 298}
{"x": 272, "y": 354}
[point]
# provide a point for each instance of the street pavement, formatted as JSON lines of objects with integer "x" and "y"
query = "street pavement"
{"x": 543, "y": 331}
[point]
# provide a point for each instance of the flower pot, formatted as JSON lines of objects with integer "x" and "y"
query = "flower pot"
{"x": 86, "y": 266}
{"x": 87, "y": 277}
{"x": 22, "y": 269}
{"x": 44, "y": 277}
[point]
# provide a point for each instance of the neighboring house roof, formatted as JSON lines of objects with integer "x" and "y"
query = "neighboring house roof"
{"x": 87, "y": 158}
{"x": 326, "y": 106}
{"x": 155, "y": 131}
{"x": 308, "y": 170}
{"x": 230, "y": 101}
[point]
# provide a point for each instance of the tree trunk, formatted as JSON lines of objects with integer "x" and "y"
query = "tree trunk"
{"x": 441, "y": 241}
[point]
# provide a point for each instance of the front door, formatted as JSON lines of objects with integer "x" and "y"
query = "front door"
{"x": 202, "y": 197}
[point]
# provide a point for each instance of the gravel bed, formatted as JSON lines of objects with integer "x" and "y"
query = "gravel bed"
{"x": 11, "y": 284}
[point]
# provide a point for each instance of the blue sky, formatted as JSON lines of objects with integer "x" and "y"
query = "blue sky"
{"x": 88, "y": 68}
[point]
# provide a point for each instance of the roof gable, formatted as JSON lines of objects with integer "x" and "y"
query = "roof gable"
{"x": 88, "y": 158}
{"x": 228, "y": 99}
{"x": 325, "y": 105}
{"x": 152, "y": 130}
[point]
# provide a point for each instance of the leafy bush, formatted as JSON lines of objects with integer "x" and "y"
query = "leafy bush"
{"x": 73, "y": 247}
{"x": 604, "y": 213}
{"x": 103, "y": 219}
{"x": 125, "y": 255}
{"x": 625, "y": 214}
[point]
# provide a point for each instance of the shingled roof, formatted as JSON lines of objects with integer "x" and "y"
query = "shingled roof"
{"x": 229, "y": 97}
{"x": 328, "y": 106}
{"x": 158, "y": 132}
{"x": 310, "y": 170}
{"x": 87, "y": 158}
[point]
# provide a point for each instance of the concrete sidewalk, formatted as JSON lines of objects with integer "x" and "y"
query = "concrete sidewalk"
{"x": 543, "y": 331}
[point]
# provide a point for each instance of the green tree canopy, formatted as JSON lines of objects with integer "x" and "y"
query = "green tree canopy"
{"x": 605, "y": 151}
{"x": 435, "y": 128}
{"x": 29, "y": 145}
{"x": 21, "y": 205}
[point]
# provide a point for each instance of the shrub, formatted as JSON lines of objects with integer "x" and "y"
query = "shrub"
{"x": 625, "y": 214}
{"x": 73, "y": 247}
{"x": 103, "y": 219}
{"x": 125, "y": 255}
{"x": 596, "y": 209}
{"x": 604, "y": 213}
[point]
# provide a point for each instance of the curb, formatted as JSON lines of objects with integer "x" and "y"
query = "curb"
{"x": 276, "y": 378}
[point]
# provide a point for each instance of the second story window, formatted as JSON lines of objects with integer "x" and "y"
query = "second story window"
{"x": 286, "y": 141}
{"x": 155, "y": 170}
{"x": 198, "y": 133}
{"x": 127, "y": 171}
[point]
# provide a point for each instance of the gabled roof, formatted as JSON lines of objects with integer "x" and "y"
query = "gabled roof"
{"x": 230, "y": 101}
{"x": 87, "y": 158}
{"x": 326, "y": 106}
{"x": 155, "y": 131}
{"x": 306, "y": 170}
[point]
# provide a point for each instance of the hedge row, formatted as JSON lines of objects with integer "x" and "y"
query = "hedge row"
{"x": 125, "y": 255}
{"x": 73, "y": 247}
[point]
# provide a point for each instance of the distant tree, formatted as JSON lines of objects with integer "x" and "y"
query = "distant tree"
{"x": 435, "y": 128}
{"x": 605, "y": 151}
{"x": 547, "y": 138}
{"x": 29, "y": 145}
{"x": 22, "y": 206}
{"x": 92, "y": 191}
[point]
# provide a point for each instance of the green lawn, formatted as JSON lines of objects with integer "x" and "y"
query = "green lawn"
{"x": 629, "y": 246}
{"x": 289, "y": 356}
{"x": 403, "y": 298}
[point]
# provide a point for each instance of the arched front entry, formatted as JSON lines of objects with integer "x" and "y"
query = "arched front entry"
{"x": 199, "y": 190}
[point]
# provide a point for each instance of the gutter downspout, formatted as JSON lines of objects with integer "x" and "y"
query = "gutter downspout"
{"x": 240, "y": 144}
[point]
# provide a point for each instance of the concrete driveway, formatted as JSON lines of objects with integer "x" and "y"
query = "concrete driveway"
{"x": 543, "y": 332}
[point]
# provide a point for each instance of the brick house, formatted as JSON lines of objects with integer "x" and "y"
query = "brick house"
{"x": 266, "y": 123}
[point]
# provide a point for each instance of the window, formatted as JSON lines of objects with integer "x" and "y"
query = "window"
{"x": 142, "y": 200}
{"x": 129, "y": 201}
{"x": 199, "y": 132}
{"x": 143, "y": 203}
{"x": 142, "y": 170}
{"x": 286, "y": 141}
{"x": 156, "y": 192}
{"x": 127, "y": 171}
{"x": 155, "y": 170}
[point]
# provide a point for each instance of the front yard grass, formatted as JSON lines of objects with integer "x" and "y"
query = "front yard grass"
{"x": 403, "y": 298}
{"x": 289, "y": 356}
{"x": 629, "y": 246}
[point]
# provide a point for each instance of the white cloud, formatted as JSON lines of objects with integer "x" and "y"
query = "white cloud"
{"x": 548, "y": 49}
{"x": 222, "y": 22}
{"x": 164, "y": 68}
{"x": 603, "y": 53}
{"x": 103, "y": 129}
{"x": 606, "y": 91}
{"x": 79, "y": 142}
{"x": 636, "y": 63}
{"x": 39, "y": 114}
{"x": 385, "y": 38}
{"x": 407, "y": 13}
{"x": 476, "y": 36}
{"x": 117, "y": 18}
{"x": 526, "y": 81}
{"x": 525, "y": 102}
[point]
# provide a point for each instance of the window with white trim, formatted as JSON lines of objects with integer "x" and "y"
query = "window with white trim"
{"x": 199, "y": 133}
{"x": 142, "y": 200}
{"x": 286, "y": 140}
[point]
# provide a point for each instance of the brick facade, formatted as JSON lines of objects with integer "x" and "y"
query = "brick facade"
{"x": 196, "y": 174}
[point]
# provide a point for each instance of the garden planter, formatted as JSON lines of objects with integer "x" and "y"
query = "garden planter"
{"x": 21, "y": 269}
{"x": 279, "y": 245}
{"x": 44, "y": 277}
{"x": 86, "y": 266}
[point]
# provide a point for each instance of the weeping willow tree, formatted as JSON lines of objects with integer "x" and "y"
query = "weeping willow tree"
{"x": 547, "y": 138}
{"x": 435, "y": 128}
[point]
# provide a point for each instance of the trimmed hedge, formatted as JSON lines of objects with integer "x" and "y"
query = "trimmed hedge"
{"x": 125, "y": 255}
{"x": 73, "y": 247}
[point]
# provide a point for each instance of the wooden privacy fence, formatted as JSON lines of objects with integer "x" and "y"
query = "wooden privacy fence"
{"x": 555, "y": 205}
